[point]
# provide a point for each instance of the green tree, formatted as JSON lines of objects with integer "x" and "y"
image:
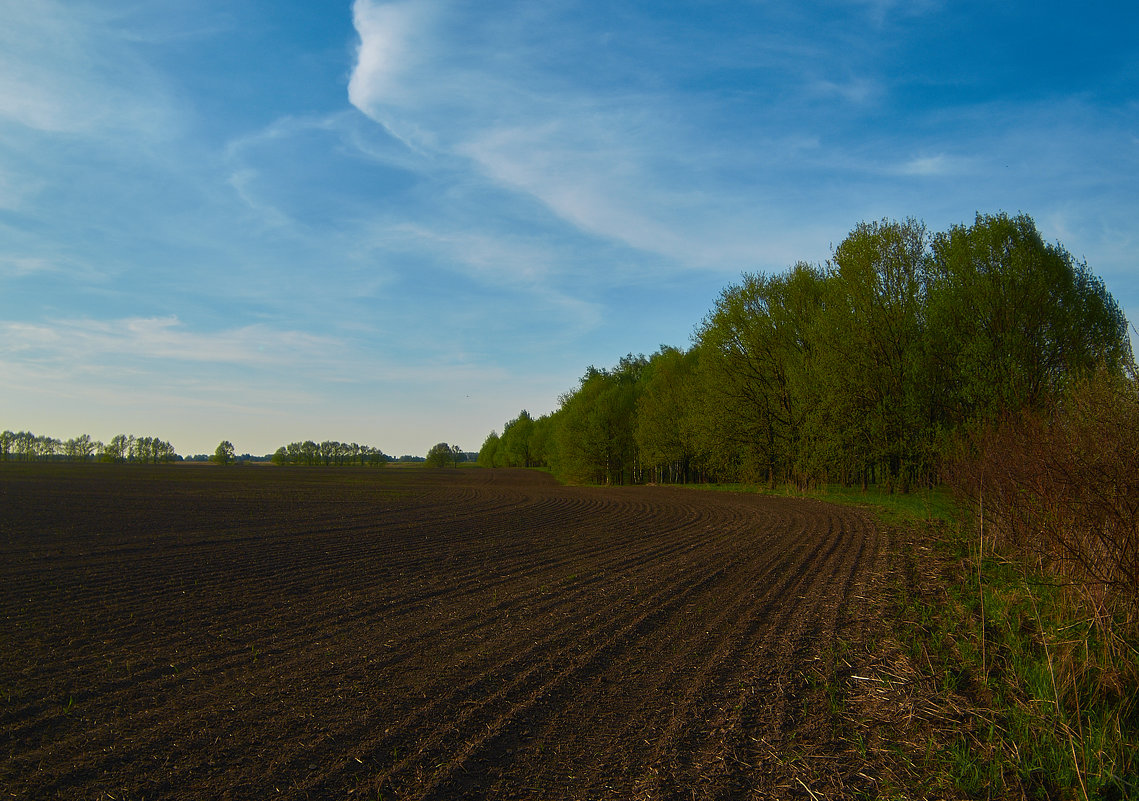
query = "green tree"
{"x": 758, "y": 348}
{"x": 116, "y": 449}
{"x": 224, "y": 453}
{"x": 869, "y": 370}
{"x": 1013, "y": 320}
{"x": 309, "y": 452}
{"x": 515, "y": 445}
{"x": 583, "y": 447}
{"x": 47, "y": 446}
{"x": 542, "y": 443}
{"x": 79, "y": 449}
{"x": 668, "y": 416}
{"x": 440, "y": 455}
{"x": 489, "y": 452}
{"x": 873, "y": 349}
{"x": 160, "y": 450}
{"x": 24, "y": 443}
{"x": 595, "y": 432}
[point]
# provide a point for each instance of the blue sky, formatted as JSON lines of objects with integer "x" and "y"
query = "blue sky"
{"x": 397, "y": 223}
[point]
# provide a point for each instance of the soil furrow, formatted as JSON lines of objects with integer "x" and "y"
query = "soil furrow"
{"x": 192, "y": 631}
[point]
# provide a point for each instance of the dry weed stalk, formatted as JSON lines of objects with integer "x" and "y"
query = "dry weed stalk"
{"x": 1060, "y": 493}
{"x": 1061, "y": 489}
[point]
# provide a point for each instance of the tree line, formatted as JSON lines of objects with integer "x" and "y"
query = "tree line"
{"x": 868, "y": 369}
{"x": 327, "y": 453}
{"x": 443, "y": 455}
{"x": 26, "y": 446}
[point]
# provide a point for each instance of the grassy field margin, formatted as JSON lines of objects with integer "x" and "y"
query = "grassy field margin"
{"x": 989, "y": 678}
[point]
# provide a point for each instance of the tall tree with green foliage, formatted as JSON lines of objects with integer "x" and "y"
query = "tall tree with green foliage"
{"x": 542, "y": 440}
{"x": 79, "y": 449}
{"x": 223, "y": 455}
{"x": 871, "y": 348}
{"x": 515, "y": 447}
{"x": 1013, "y": 320}
{"x": 489, "y": 452}
{"x": 667, "y": 424}
{"x": 595, "y": 431}
{"x": 442, "y": 455}
{"x": 866, "y": 371}
{"x": 757, "y": 349}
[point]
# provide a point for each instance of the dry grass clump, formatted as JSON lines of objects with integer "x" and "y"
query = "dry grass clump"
{"x": 1063, "y": 489}
{"x": 1055, "y": 498}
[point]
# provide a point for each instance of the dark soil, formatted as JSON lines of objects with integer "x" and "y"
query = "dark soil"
{"x": 254, "y": 632}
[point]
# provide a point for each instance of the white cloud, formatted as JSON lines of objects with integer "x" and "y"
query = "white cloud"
{"x": 857, "y": 90}
{"x": 495, "y": 259}
{"x": 634, "y": 167}
{"x": 259, "y": 162}
{"x": 173, "y": 355}
{"x": 93, "y": 342}
{"x": 580, "y": 169}
{"x": 281, "y": 128}
{"x": 65, "y": 68}
{"x": 882, "y": 11}
{"x": 940, "y": 164}
{"x": 527, "y": 267}
{"x": 15, "y": 190}
{"x": 393, "y": 42}
{"x": 22, "y": 266}
{"x": 585, "y": 159}
{"x": 242, "y": 181}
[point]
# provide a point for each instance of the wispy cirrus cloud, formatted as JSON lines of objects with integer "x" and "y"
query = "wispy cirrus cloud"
{"x": 394, "y": 244}
{"x": 89, "y": 342}
{"x": 127, "y": 346}
{"x": 198, "y": 196}
{"x": 631, "y": 163}
{"x": 587, "y": 158}
{"x": 523, "y": 265}
{"x": 20, "y": 266}
{"x": 858, "y": 90}
{"x": 940, "y": 164}
{"x": 69, "y": 68}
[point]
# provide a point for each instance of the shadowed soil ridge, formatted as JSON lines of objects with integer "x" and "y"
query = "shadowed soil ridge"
{"x": 196, "y": 632}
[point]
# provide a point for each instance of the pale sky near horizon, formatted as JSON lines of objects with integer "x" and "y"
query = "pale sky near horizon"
{"x": 399, "y": 223}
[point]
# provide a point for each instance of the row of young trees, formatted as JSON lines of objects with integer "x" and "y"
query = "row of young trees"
{"x": 867, "y": 369}
{"x": 329, "y": 452}
{"x": 26, "y": 446}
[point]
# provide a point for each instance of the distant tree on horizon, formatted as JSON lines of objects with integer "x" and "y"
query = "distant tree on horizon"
{"x": 224, "y": 453}
{"x": 443, "y": 455}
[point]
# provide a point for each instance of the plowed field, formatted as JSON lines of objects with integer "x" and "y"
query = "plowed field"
{"x": 255, "y": 632}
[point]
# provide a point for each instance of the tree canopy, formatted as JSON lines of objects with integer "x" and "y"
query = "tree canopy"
{"x": 224, "y": 453}
{"x": 444, "y": 455}
{"x": 864, "y": 370}
{"x": 26, "y": 446}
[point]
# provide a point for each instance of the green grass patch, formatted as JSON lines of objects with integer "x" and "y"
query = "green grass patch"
{"x": 1040, "y": 698}
{"x": 1047, "y": 709}
{"x": 894, "y": 508}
